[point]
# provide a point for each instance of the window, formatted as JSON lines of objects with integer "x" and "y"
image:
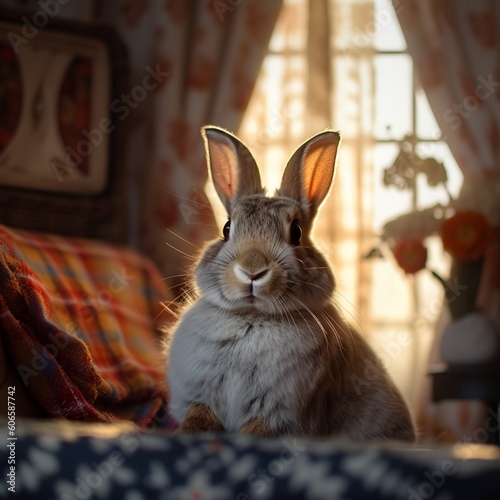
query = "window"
{"x": 376, "y": 101}
{"x": 411, "y": 305}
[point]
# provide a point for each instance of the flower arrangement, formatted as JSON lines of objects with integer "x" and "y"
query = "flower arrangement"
{"x": 411, "y": 255}
{"x": 464, "y": 225}
{"x": 466, "y": 235}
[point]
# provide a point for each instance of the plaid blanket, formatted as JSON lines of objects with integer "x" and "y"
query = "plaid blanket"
{"x": 80, "y": 321}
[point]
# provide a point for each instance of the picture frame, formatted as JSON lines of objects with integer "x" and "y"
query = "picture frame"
{"x": 63, "y": 114}
{"x": 60, "y": 142}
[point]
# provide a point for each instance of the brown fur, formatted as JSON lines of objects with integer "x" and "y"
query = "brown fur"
{"x": 200, "y": 418}
{"x": 257, "y": 428}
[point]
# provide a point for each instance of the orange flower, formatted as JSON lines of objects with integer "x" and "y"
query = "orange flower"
{"x": 466, "y": 235}
{"x": 411, "y": 255}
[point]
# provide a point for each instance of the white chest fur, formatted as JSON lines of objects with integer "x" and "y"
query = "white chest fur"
{"x": 243, "y": 366}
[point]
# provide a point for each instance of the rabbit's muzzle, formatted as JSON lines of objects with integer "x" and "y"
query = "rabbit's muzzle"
{"x": 253, "y": 269}
{"x": 253, "y": 278}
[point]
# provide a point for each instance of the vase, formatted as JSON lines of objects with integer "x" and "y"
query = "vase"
{"x": 463, "y": 286}
{"x": 472, "y": 338}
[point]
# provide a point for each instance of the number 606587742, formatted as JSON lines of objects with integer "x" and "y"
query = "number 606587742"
{"x": 11, "y": 408}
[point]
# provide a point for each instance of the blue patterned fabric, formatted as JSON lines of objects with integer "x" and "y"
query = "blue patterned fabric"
{"x": 136, "y": 465}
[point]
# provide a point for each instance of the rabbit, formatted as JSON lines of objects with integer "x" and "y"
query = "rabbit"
{"x": 262, "y": 349}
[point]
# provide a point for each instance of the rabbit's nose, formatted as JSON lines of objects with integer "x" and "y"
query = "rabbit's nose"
{"x": 252, "y": 268}
{"x": 246, "y": 276}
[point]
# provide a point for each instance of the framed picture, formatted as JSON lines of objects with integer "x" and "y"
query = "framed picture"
{"x": 54, "y": 98}
{"x": 59, "y": 138}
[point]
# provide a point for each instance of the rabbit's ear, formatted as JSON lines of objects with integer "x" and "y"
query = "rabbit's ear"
{"x": 309, "y": 173}
{"x": 232, "y": 166}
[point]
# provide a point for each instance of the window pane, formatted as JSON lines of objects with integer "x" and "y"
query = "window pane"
{"x": 390, "y": 299}
{"x": 427, "y": 127}
{"x": 345, "y": 109}
{"x": 352, "y": 25}
{"x": 276, "y": 111}
{"x": 352, "y": 106}
{"x": 388, "y": 34}
{"x": 393, "y": 96}
{"x": 289, "y": 32}
{"x": 400, "y": 349}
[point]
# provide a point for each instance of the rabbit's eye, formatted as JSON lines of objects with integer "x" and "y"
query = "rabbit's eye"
{"x": 295, "y": 233}
{"x": 225, "y": 230}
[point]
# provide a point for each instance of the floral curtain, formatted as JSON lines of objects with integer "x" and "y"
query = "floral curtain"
{"x": 455, "y": 47}
{"x": 210, "y": 53}
{"x": 318, "y": 76}
{"x": 192, "y": 62}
